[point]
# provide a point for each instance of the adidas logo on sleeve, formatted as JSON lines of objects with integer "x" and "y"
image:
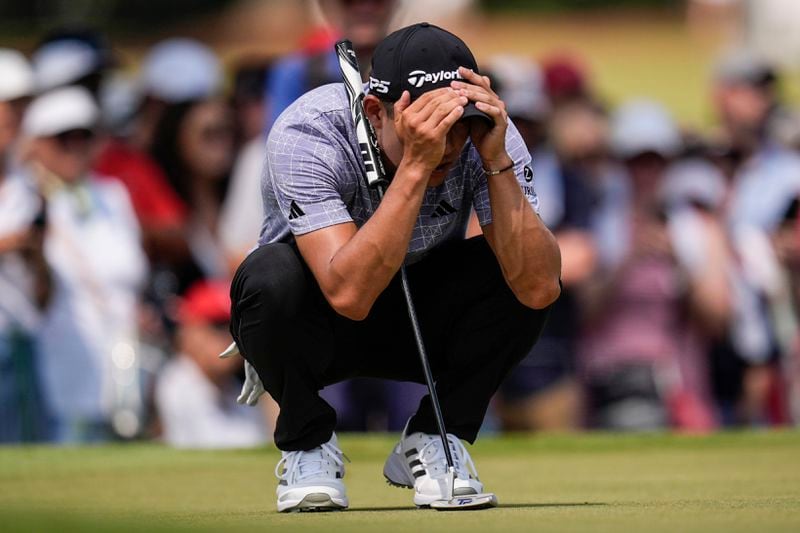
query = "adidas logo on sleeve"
{"x": 443, "y": 209}
{"x": 295, "y": 211}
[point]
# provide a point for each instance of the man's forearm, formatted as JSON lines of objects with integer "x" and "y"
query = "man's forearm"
{"x": 526, "y": 250}
{"x": 370, "y": 259}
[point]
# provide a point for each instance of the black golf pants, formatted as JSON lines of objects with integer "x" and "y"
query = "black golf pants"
{"x": 475, "y": 331}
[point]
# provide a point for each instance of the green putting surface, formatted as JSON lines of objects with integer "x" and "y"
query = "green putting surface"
{"x": 726, "y": 482}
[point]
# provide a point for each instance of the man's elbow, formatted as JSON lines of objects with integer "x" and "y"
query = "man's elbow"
{"x": 540, "y": 296}
{"x": 350, "y": 306}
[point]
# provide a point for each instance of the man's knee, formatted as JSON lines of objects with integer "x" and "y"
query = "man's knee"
{"x": 269, "y": 297}
{"x": 272, "y": 279}
{"x": 530, "y": 324}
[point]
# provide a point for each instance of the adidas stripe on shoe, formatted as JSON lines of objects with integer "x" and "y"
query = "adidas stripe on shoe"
{"x": 418, "y": 461}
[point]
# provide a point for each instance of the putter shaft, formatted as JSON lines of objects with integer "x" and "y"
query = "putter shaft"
{"x": 423, "y": 357}
{"x": 426, "y": 367}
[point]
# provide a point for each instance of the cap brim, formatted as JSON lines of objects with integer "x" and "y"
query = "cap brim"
{"x": 470, "y": 111}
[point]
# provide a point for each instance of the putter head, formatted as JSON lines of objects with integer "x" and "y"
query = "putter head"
{"x": 472, "y": 502}
{"x": 484, "y": 500}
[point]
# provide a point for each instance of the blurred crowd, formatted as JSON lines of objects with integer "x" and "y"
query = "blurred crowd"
{"x": 128, "y": 197}
{"x": 681, "y": 254}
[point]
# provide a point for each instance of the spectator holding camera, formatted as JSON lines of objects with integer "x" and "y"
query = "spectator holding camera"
{"x": 87, "y": 338}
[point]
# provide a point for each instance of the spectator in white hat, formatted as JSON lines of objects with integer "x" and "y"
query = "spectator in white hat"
{"x": 175, "y": 71}
{"x": 761, "y": 170}
{"x": 193, "y": 142}
{"x": 764, "y": 178}
{"x": 653, "y": 308}
{"x": 745, "y": 97}
{"x": 87, "y": 338}
{"x": 24, "y": 276}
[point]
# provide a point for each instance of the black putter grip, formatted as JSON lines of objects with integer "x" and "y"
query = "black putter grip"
{"x": 375, "y": 172}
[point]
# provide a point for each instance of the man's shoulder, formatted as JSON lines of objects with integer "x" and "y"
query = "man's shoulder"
{"x": 324, "y": 108}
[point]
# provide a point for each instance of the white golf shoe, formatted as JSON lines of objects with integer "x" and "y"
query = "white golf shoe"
{"x": 418, "y": 461}
{"x": 312, "y": 480}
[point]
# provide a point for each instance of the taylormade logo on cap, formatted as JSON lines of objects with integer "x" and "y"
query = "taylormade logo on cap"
{"x": 418, "y": 78}
{"x": 417, "y": 58}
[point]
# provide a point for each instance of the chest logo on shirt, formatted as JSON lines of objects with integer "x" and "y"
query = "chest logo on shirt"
{"x": 295, "y": 211}
{"x": 443, "y": 209}
{"x": 528, "y": 173}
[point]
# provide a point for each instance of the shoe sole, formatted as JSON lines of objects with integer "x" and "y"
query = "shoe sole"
{"x": 315, "y": 502}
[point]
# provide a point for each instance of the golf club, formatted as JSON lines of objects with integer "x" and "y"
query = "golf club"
{"x": 376, "y": 179}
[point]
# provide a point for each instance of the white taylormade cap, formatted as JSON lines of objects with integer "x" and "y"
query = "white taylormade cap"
{"x": 69, "y": 108}
{"x": 177, "y": 70}
{"x": 16, "y": 76}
